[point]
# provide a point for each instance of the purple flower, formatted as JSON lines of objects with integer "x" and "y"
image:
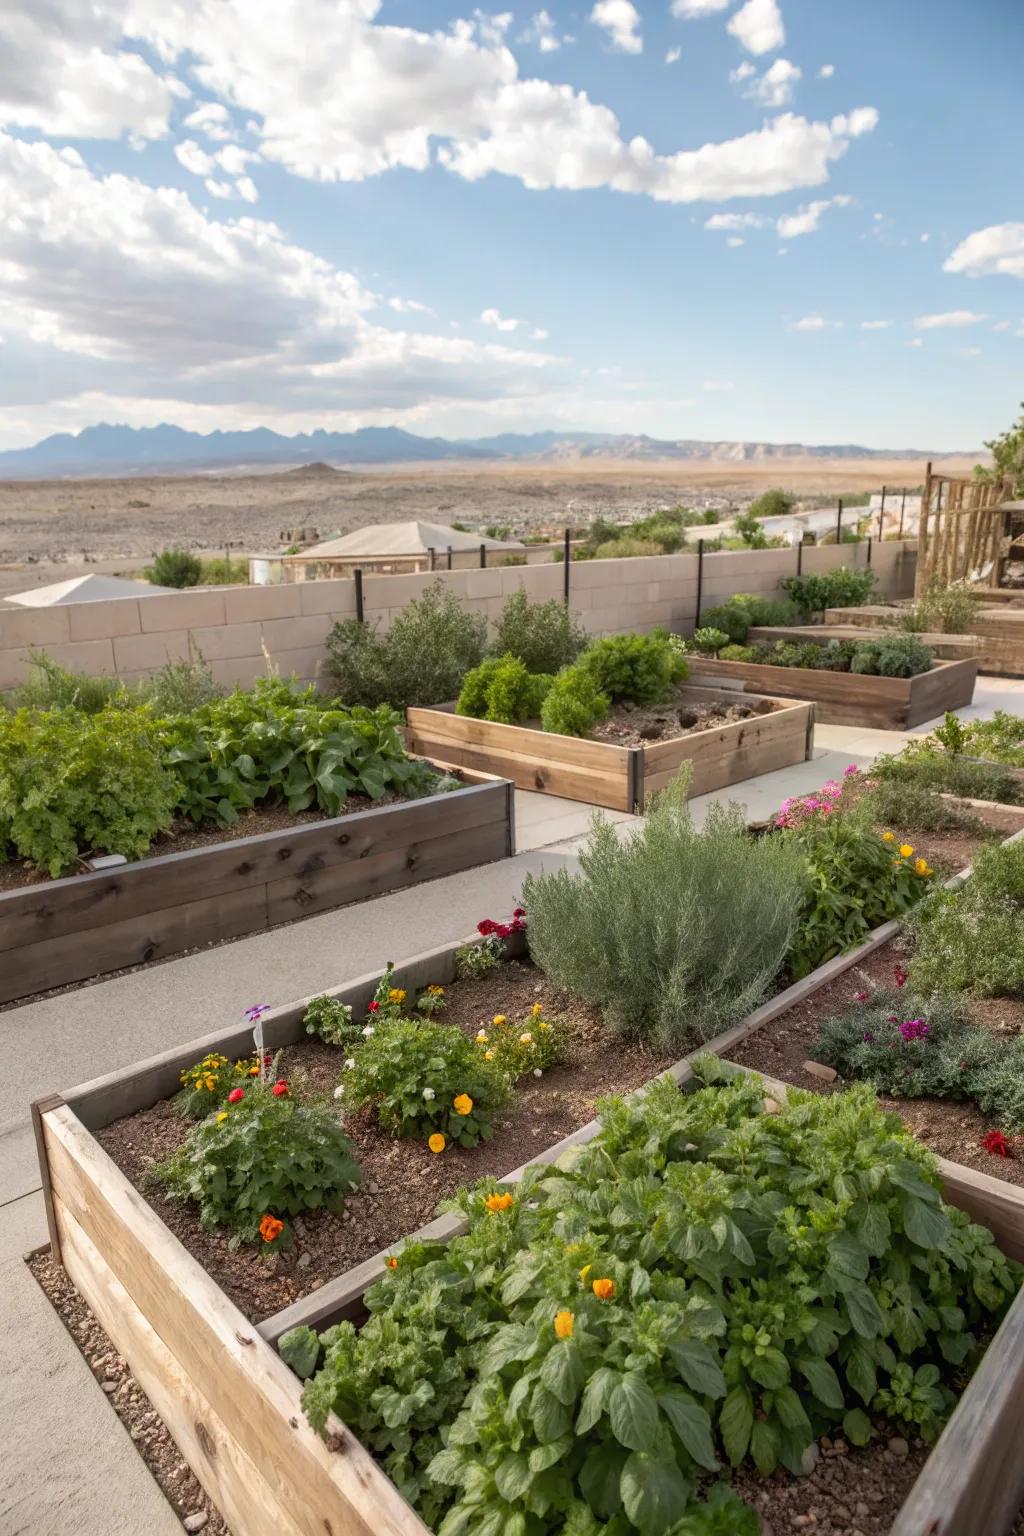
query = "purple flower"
{"x": 256, "y": 1011}
{"x": 868, "y": 1037}
{"x": 914, "y": 1029}
{"x": 849, "y": 772}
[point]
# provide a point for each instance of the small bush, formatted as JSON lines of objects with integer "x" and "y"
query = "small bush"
{"x": 52, "y": 686}
{"x": 743, "y": 610}
{"x": 206, "y": 1085}
{"x": 422, "y": 659}
{"x": 223, "y": 572}
{"x": 479, "y": 957}
{"x": 675, "y": 932}
{"x": 179, "y": 688}
{"x": 773, "y": 503}
{"x": 971, "y": 939}
{"x": 331, "y": 1021}
{"x": 174, "y": 568}
{"x": 524, "y": 1048}
{"x": 544, "y": 636}
{"x": 843, "y": 587}
{"x": 911, "y": 807}
{"x": 627, "y": 548}
{"x": 921, "y": 763}
{"x": 641, "y": 668}
{"x": 892, "y": 656}
{"x": 736, "y": 653}
{"x": 424, "y": 1079}
{"x": 999, "y": 740}
{"x": 574, "y": 703}
{"x": 950, "y": 609}
{"x": 502, "y": 689}
{"x": 268, "y": 1155}
{"x": 708, "y": 642}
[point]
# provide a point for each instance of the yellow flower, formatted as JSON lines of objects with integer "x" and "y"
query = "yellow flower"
{"x": 526, "y": 1039}
{"x": 921, "y": 867}
{"x": 488, "y": 1055}
{"x": 905, "y": 850}
{"x": 435, "y": 991}
{"x": 536, "y": 1010}
{"x": 210, "y": 1084}
{"x": 396, "y": 995}
{"x": 437, "y": 1143}
{"x": 222, "y": 1116}
{"x": 482, "y": 1037}
{"x": 462, "y": 1104}
{"x": 498, "y": 1020}
{"x": 604, "y": 1289}
{"x": 888, "y": 837}
{"x": 542, "y": 1025}
{"x": 499, "y": 1202}
{"x": 585, "y": 1271}
{"x": 563, "y": 1324}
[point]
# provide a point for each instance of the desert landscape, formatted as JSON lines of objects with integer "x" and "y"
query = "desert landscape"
{"x": 51, "y": 530}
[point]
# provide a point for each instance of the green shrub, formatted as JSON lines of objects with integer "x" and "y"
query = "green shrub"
{"x": 641, "y": 668}
{"x": 703, "y": 1283}
{"x": 52, "y": 686}
{"x": 270, "y": 1154}
{"x": 524, "y": 1048}
{"x": 920, "y": 763}
{"x": 892, "y": 656}
{"x": 999, "y": 740}
{"x": 708, "y": 642}
{"x": 223, "y": 572}
{"x": 179, "y": 688}
{"x": 843, "y": 587}
{"x": 741, "y": 612}
{"x": 502, "y": 689}
{"x": 736, "y": 653}
{"x": 907, "y": 806}
{"x": 72, "y": 784}
{"x": 971, "y": 939}
{"x": 422, "y": 1079}
{"x": 574, "y": 703}
{"x": 627, "y": 548}
{"x": 174, "y": 568}
{"x": 422, "y": 659}
{"x": 675, "y": 932}
{"x": 544, "y": 636}
{"x": 479, "y": 957}
{"x": 331, "y": 1021}
{"x": 773, "y": 503}
{"x": 951, "y": 609}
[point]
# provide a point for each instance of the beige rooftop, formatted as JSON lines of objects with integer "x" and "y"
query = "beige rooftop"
{"x": 85, "y": 589}
{"x": 415, "y": 538}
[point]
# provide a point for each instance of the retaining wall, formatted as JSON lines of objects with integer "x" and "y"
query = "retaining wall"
{"x": 240, "y": 630}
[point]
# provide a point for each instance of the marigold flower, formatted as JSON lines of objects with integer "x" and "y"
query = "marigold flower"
{"x": 462, "y": 1104}
{"x": 236, "y": 1096}
{"x": 604, "y": 1289}
{"x": 391, "y": 1261}
{"x": 498, "y": 1020}
{"x": 526, "y": 1038}
{"x": 905, "y": 850}
{"x": 270, "y": 1228}
{"x": 434, "y": 990}
{"x": 210, "y": 1084}
{"x": 542, "y": 1025}
{"x": 499, "y": 1202}
{"x": 488, "y": 1055}
{"x": 254, "y": 1071}
{"x": 921, "y": 867}
{"x": 279, "y": 1089}
{"x": 564, "y": 1321}
{"x": 536, "y": 1010}
{"x": 888, "y": 837}
{"x": 222, "y": 1116}
{"x": 396, "y": 995}
{"x": 437, "y": 1143}
{"x": 482, "y": 1037}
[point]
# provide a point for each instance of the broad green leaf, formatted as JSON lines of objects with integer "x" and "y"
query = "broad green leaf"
{"x": 691, "y": 1423}
{"x": 633, "y": 1412}
{"x": 925, "y": 1224}
{"x": 865, "y": 1313}
{"x": 654, "y": 1493}
{"x": 698, "y": 1366}
{"x": 849, "y": 1255}
{"x": 563, "y": 1371}
{"x": 735, "y": 1423}
{"x": 551, "y": 1419}
{"x": 790, "y": 1410}
{"x": 764, "y": 1446}
{"x": 874, "y": 1230}
{"x": 857, "y": 1426}
{"x": 770, "y": 1369}
{"x": 822, "y": 1380}
{"x": 513, "y": 1477}
{"x": 595, "y": 1398}
{"x": 600, "y": 1479}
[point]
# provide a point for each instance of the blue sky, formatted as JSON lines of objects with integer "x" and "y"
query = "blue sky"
{"x": 343, "y": 212}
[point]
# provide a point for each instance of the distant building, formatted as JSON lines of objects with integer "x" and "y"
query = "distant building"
{"x": 85, "y": 589}
{"x": 385, "y": 549}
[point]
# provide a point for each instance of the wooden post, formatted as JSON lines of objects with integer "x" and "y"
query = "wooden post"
{"x": 903, "y": 508}
{"x": 565, "y": 567}
{"x": 920, "y": 581}
{"x": 357, "y": 577}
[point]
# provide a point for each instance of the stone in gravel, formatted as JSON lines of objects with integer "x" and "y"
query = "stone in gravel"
{"x": 772, "y": 1107}
{"x": 818, "y": 1069}
{"x": 810, "y": 1459}
{"x": 305, "y": 1260}
{"x": 861, "y": 1510}
{"x": 196, "y": 1522}
{"x": 899, "y": 1447}
{"x": 109, "y": 1387}
{"x": 649, "y": 733}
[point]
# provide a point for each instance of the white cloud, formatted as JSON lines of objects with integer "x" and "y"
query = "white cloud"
{"x": 537, "y": 334}
{"x": 542, "y": 32}
{"x": 826, "y": 72}
{"x": 195, "y": 160}
{"x": 951, "y": 319}
{"x": 736, "y": 221}
{"x": 808, "y": 218}
{"x": 997, "y": 250}
{"x": 875, "y": 325}
{"x": 409, "y": 307}
{"x": 673, "y": 56}
{"x": 775, "y": 87}
{"x": 742, "y": 72}
{"x": 1001, "y": 325}
{"x": 925, "y": 239}
{"x": 917, "y": 342}
{"x": 810, "y": 323}
{"x": 500, "y": 322}
{"x": 688, "y": 10}
{"x": 758, "y": 26}
{"x": 621, "y": 20}
{"x": 210, "y": 118}
{"x": 861, "y": 120}
{"x": 735, "y": 241}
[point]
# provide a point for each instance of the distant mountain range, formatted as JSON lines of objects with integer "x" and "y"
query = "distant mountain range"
{"x": 121, "y": 450}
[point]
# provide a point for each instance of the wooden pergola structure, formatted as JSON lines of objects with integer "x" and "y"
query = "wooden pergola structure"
{"x": 960, "y": 536}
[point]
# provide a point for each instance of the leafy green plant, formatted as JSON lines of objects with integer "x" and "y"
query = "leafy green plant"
{"x": 641, "y": 668}
{"x": 74, "y": 783}
{"x": 528, "y": 1046}
{"x": 843, "y": 587}
{"x": 736, "y": 653}
{"x": 206, "y": 1084}
{"x": 501, "y": 689}
{"x": 544, "y": 636}
{"x": 773, "y": 503}
{"x": 741, "y": 612}
{"x": 331, "y": 1021}
{"x": 999, "y": 740}
{"x": 222, "y": 571}
{"x": 675, "y": 932}
{"x": 702, "y": 1283}
{"x": 174, "y": 568}
{"x": 971, "y": 939}
{"x": 908, "y": 806}
{"x": 574, "y": 703}
{"x": 950, "y": 608}
{"x": 479, "y": 957}
{"x": 708, "y": 642}
{"x": 267, "y": 1155}
{"x": 922, "y": 764}
{"x": 892, "y": 656}
{"x": 52, "y": 686}
{"x": 431, "y": 645}
{"x": 425, "y": 1079}
{"x": 179, "y": 688}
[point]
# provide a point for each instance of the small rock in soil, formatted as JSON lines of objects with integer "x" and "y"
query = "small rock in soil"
{"x": 196, "y": 1522}
{"x": 818, "y": 1069}
{"x": 899, "y": 1447}
{"x": 650, "y": 732}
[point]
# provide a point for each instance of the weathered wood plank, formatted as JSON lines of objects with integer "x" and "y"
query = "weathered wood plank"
{"x": 846, "y": 698}
{"x": 245, "y": 1383}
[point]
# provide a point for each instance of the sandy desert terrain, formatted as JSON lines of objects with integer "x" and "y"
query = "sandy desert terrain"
{"x": 51, "y": 530}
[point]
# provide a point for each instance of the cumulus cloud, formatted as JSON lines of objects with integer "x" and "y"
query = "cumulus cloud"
{"x": 735, "y": 241}
{"x": 409, "y": 307}
{"x": 621, "y": 20}
{"x": 542, "y": 32}
{"x": 826, "y": 72}
{"x": 997, "y": 250}
{"x": 212, "y": 119}
{"x": 810, "y": 323}
{"x": 775, "y": 87}
{"x": 951, "y": 319}
{"x": 758, "y": 26}
{"x": 688, "y": 10}
{"x": 673, "y": 55}
{"x": 808, "y": 219}
{"x": 736, "y": 221}
{"x": 875, "y": 325}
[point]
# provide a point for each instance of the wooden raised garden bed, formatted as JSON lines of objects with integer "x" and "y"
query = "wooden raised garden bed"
{"x": 233, "y": 1406}
{"x": 997, "y": 632}
{"x": 848, "y": 698}
{"x": 61, "y": 931}
{"x": 619, "y": 777}
{"x": 944, "y": 647}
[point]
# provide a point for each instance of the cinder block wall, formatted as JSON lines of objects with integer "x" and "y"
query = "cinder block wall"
{"x": 241, "y": 631}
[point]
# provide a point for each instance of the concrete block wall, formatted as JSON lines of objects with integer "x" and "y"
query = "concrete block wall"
{"x": 244, "y": 631}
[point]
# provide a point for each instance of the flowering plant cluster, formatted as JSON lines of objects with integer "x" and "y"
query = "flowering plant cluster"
{"x": 476, "y": 959}
{"x": 331, "y": 1020}
{"x": 705, "y": 1283}
{"x": 206, "y": 1085}
{"x": 388, "y": 1002}
{"x": 515, "y": 924}
{"x": 427, "y": 1080}
{"x": 527, "y": 1047}
{"x": 826, "y": 802}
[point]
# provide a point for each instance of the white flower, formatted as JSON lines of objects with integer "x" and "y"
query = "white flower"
{"x": 339, "y": 1092}
{"x": 350, "y": 1062}
{"x": 428, "y": 1094}
{"x": 537, "y": 1072}
{"x": 367, "y": 1031}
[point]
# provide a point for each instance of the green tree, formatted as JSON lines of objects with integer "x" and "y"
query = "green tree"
{"x": 1008, "y": 452}
{"x": 774, "y": 503}
{"x": 174, "y": 568}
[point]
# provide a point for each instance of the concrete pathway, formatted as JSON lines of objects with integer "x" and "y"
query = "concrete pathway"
{"x": 67, "y": 1464}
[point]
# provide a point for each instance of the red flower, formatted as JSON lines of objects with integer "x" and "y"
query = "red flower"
{"x": 519, "y": 912}
{"x": 235, "y": 1096}
{"x": 487, "y": 926}
{"x": 900, "y": 976}
{"x": 373, "y": 1007}
{"x": 279, "y": 1089}
{"x": 996, "y": 1143}
{"x": 860, "y": 997}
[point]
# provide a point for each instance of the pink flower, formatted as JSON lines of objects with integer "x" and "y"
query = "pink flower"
{"x": 914, "y": 1029}
{"x": 848, "y": 773}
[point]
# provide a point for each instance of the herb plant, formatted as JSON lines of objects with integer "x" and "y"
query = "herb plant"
{"x": 502, "y": 689}
{"x": 641, "y": 668}
{"x": 544, "y": 636}
{"x": 331, "y": 1021}
{"x": 574, "y": 703}
{"x": 701, "y": 1285}
{"x": 999, "y": 740}
{"x": 422, "y": 659}
{"x": 928, "y": 766}
{"x": 971, "y": 939}
{"x": 739, "y": 613}
{"x": 842, "y": 587}
{"x": 708, "y": 641}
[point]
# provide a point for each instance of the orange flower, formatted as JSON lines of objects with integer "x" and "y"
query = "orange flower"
{"x": 905, "y": 850}
{"x": 437, "y": 1143}
{"x": 391, "y": 1261}
{"x": 270, "y": 1228}
{"x": 564, "y": 1324}
{"x": 499, "y": 1202}
{"x": 888, "y": 837}
{"x": 604, "y": 1289}
{"x": 462, "y": 1104}
{"x": 921, "y": 867}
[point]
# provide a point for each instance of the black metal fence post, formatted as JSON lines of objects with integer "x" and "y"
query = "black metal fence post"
{"x": 800, "y": 556}
{"x": 565, "y": 567}
{"x": 903, "y": 508}
{"x": 483, "y": 557}
{"x": 357, "y": 577}
{"x": 881, "y": 517}
{"x": 449, "y": 557}
{"x": 839, "y": 522}
{"x": 431, "y": 553}
{"x": 700, "y": 580}
{"x": 869, "y": 549}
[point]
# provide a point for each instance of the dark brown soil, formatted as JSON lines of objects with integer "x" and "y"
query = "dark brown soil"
{"x": 631, "y": 725}
{"x": 950, "y": 1127}
{"x": 402, "y": 1180}
{"x": 951, "y": 851}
